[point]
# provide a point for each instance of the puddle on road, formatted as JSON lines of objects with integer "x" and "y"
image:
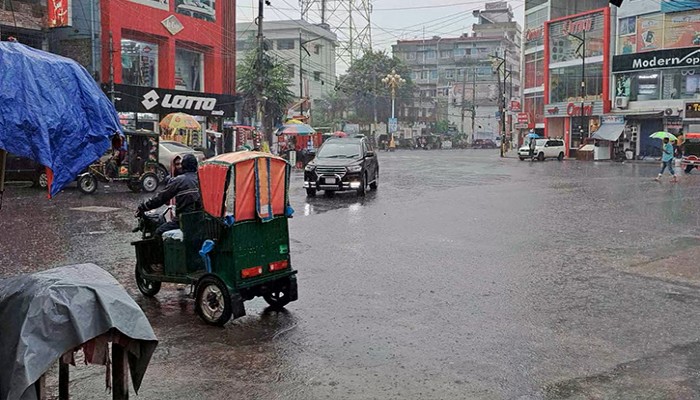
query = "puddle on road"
{"x": 95, "y": 209}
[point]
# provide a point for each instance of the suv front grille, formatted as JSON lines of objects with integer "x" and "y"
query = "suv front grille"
{"x": 330, "y": 171}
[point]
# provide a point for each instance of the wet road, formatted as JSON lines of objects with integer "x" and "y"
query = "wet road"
{"x": 464, "y": 276}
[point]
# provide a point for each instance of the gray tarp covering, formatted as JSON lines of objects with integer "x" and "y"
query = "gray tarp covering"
{"x": 609, "y": 132}
{"x": 46, "y": 314}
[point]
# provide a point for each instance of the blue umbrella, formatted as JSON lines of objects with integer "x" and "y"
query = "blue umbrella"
{"x": 53, "y": 112}
{"x": 532, "y": 136}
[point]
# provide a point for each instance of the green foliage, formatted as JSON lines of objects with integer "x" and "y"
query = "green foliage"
{"x": 364, "y": 80}
{"x": 275, "y": 86}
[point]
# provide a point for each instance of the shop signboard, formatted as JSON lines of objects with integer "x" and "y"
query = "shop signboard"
{"x": 650, "y": 32}
{"x": 671, "y": 58}
{"x": 669, "y": 6}
{"x": 692, "y": 109}
{"x": 59, "y": 13}
{"x": 523, "y": 118}
{"x": 564, "y": 36}
{"x": 145, "y": 99}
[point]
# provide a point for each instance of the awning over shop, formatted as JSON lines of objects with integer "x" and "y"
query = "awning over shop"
{"x": 609, "y": 132}
{"x": 639, "y": 114}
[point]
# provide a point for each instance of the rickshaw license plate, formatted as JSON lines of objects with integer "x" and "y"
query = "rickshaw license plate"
{"x": 329, "y": 181}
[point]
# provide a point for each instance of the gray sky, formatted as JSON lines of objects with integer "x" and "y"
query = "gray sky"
{"x": 393, "y": 19}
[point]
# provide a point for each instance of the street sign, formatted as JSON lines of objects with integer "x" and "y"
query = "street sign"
{"x": 520, "y": 126}
{"x": 393, "y": 125}
{"x": 523, "y": 118}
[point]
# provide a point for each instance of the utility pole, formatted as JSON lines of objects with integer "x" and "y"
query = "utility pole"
{"x": 111, "y": 68}
{"x": 464, "y": 89}
{"x": 301, "y": 76}
{"x": 261, "y": 49}
{"x": 374, "y": 102}
{"x": 583, "y": 79}
{"x": 473, "y": 102}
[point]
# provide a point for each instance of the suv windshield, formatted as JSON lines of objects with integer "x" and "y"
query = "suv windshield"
{"x": 339, "y": 150}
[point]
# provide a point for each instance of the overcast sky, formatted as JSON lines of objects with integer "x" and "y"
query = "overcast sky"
{"x": 394, "y": 19}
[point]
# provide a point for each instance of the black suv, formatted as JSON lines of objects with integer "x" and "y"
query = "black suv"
{"x": 342, "y": 164}
{"x": 23, "y": 169}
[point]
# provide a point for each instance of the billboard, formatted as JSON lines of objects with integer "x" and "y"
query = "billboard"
{"x": 650, "y": 32}
{"x": 565, "y": 37}
{"x": 59, "y": 13}
{"x": 668, "y": 6}
{"x": 682, "y": 30}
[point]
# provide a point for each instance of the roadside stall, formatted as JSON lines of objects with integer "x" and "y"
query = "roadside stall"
{"x": 606, "y": 138}
{"x": 48, "y": 123}
{"x": 49, "y": 316}
{"x": 298, "y": 143}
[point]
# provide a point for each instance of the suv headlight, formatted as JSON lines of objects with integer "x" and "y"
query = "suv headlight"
{"x": 309, "y": 168}
{"x": 355, "y": 168}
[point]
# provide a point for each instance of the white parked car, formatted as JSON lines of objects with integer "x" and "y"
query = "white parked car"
{"x": 544, "y": 148}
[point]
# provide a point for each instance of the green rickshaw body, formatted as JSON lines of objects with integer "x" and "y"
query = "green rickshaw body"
{"x": 237, "y": 247}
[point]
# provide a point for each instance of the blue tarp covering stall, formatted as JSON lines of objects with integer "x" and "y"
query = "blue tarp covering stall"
{"x": 52, "y": 111}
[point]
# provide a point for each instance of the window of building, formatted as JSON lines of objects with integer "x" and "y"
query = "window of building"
{"x": 317, "y": 76}
{"x": 242, "y": 45}
{"x": 668, "y": 84}
{"x": 285, "y": 44}
{"x": 431, "y": 54}
{"x": 628, "y": 26}
{"x": 534, "y": 107}
{"x": 484, "y": 70}
{"x": 433, "y": 74}
{"x": 681, "y": 84}
{"x": 139, "y": 63}
{"x": 411, "y": 56}
{"x": 565, "y": 83}
{"x": 291, "y": 70}
{"x": 424, "y": 74}
{"x": 317, "y": 49}
{"x": 536, "y": 19}
{"x": 533, "y": 3}
{"x": 445, "y": 53}
{"x": 460, "y": 52}
{"x": 534, "y": 69}
{"x": 189, "y": 70}
{"x": 449, "y": 73}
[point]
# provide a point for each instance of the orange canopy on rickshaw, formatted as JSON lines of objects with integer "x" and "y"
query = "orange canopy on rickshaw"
{"x": 245, "y": 185}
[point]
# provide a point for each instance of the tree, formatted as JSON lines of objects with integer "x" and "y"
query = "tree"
{"x": 331, "y": 109}
{"x": 364, "y": 81}
{"x": 275, "y": 88}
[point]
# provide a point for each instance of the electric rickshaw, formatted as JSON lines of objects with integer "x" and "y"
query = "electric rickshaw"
{"x": 137, "y": 164}
{"x": 236, "y": 248}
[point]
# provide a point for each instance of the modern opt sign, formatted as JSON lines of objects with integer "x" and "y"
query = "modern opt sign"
{"x": 164, "y": 101}
{"x": 686, "y": 57}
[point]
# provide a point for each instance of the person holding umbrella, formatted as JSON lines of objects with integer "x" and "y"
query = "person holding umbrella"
{"x": 667, "y": 159}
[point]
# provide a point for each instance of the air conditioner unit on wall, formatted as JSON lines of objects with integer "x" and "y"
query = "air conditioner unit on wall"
{"x": 622, "y": 102}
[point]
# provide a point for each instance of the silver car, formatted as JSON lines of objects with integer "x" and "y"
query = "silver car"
{"x": 168, "y": 151}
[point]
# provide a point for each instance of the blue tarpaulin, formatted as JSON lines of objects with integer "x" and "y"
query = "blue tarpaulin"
{"x": 53, "y": 112}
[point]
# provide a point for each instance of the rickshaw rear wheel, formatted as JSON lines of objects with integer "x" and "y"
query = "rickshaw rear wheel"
{"x": 149, "y": 182}
{"x": 147, "y": 287}
{"x": 213, "y": 301}
{"x": 162, "y": 173}
{"x": 87, "y": 184}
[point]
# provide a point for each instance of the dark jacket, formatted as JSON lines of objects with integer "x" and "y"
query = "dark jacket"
{"x": 185, "y": 189}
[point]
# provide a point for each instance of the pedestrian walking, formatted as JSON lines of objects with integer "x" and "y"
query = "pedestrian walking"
{"x": 667, "y": 160}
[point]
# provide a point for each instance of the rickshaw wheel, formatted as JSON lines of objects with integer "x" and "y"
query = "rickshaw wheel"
{"x": 162, "y": 173}
{"x": 149, "y": 182}
{"x": 147, "y": 287}
{"x": 87, "y": 184}
{"x": 213, "y": 302}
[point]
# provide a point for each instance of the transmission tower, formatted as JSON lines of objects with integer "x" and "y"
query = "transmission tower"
{"x": 349, "y": 20}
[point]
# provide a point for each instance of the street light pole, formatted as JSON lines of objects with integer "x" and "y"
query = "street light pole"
{"x": 582, "y": 48}
{"x": 394, "y": 80}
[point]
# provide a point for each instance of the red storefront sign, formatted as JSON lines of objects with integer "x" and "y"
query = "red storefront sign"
{"x": 523, "y": 118}
{"x": 58, "y": 13}
{"x": 534, "y": 33}
{"x": 515, "y": 105}
{"x": 574, "y": 110}
{"x": 578, "y": 26}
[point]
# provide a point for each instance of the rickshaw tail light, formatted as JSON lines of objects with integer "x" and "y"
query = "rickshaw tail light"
{"x": 279, "y": 265}
{"x": 251, "y": 272}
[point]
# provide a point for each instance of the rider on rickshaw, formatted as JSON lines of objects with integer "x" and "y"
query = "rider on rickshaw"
{"x": 184, "y": 188}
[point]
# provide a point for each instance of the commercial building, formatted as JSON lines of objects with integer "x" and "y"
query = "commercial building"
{"x": 576, "y": 79}
{"x": 537, "y": 13}
{"x": 308, "y": 50}
{"x": 656, "y": 71}
{"x": 26, "y": 21}
{"x": 169, "y": 56}
{"x": 455, "y": 77}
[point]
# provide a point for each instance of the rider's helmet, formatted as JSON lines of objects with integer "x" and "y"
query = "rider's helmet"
{"x": 189, "y": 163}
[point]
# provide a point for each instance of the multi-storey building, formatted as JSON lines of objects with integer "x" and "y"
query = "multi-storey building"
{"x": 26, "y": 21}
{"x": 455, "y": 77}
{"x": 308, "y": 50}
{"x": 656, "y": 70}
{"x": 537, "y": 13}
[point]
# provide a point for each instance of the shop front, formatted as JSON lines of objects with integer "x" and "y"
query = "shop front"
{"x": 142, "y": 107}
{"x": 573, "y": 122}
